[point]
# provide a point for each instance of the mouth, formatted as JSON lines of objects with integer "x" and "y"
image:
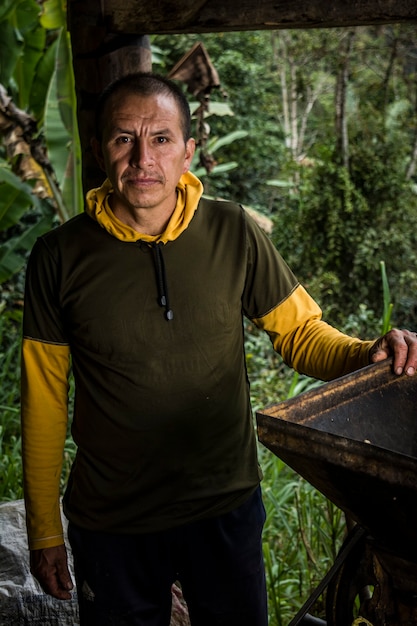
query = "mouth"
{"x": 143, "y": 180}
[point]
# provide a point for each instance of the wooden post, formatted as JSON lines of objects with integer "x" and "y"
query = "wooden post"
{"x": 99, "y": 57}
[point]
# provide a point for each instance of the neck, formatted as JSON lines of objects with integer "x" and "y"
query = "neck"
{"x": 146, "y": 221}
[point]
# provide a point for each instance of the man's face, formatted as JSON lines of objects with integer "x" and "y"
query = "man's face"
{"x": 143, "y": 151}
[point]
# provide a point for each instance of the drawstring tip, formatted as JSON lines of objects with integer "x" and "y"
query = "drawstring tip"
{"x": 169, "y": 314}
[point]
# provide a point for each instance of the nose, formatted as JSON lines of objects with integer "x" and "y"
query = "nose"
{"x": 141, "y": 154}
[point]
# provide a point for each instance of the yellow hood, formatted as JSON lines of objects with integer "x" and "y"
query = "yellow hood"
{"x": 189, "y": 192}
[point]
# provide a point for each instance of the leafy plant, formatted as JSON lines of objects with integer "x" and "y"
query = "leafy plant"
{"x": 301, "y": 538}
{"x": 16, "y": 198}
{"x": 388, "y": 306}
{"x": 10, "y": 465}
{"x": 40, "y": 178}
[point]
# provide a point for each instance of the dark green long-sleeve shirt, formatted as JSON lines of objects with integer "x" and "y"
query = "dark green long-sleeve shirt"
{"x": 162, "y": 416}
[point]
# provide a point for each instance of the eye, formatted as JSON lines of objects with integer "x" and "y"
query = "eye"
{"x": 123, "y": 139}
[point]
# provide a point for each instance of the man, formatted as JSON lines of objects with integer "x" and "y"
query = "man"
{"x": 146, "y": 291}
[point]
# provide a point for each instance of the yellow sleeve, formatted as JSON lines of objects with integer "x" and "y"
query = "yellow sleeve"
{"x": 310, "y": 345}
{"x": 44, "y": 414}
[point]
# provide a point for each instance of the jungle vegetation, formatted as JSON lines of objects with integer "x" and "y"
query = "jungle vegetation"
{"x": 319, "y": 135}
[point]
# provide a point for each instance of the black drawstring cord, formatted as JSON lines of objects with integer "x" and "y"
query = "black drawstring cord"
{"x": 161, "y": 280}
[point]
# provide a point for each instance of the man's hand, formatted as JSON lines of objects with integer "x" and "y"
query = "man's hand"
{"x": 400, "y": 344}
{"x": 50, "y": 568}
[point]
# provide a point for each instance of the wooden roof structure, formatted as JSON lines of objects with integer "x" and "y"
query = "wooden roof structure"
{"x": 110, "y": 37}
{"x": 199, "y": 16}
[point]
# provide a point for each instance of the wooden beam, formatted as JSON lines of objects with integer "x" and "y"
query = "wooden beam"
{"x": 198, "y": 16}
{"x": 99, "y": 57}
{"x": 109, "y": 37}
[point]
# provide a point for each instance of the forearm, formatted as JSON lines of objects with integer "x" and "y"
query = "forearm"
{"x": 323, "y": 352}
{"x": 44, "y": 401}
{"x": 308, "y": 344}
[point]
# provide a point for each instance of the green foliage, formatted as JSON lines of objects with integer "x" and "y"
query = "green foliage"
{"x": 16, "y": 198}
{"x": 10, "y": 466}
{"x": 302, "y": 535}
{"x": 11, "y": 478}
{"x": 214, "y": 144}
{"x": 61, "y": 128}
{"x": 303, "y": 530}
{"x": 339, "y": 227}
{"x": 388, "y": 306}
{"x": 243, "y": 61}
{"x": 334, "y": 225}
{"x": 37, "y": 73}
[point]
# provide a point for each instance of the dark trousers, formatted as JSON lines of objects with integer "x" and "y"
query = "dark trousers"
{"x": 126, "y": 579}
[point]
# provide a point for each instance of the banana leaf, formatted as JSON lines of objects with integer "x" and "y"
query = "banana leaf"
{"x": 13, "y": 253}
{"x": 6, "y": 8}
{"x": 33, "y": 40}
{"x": 61, "y": 130}
{"x": 54, "y": 14}
{"x": 16, "y": 200}
{"x": 9, "y": 51}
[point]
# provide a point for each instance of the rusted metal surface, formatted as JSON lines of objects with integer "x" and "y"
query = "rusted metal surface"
{"x": 198, "y": 16}
{"x": 355, "y": 440}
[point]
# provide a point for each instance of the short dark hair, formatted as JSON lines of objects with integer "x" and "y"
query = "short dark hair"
{"x": 145, "y": 84}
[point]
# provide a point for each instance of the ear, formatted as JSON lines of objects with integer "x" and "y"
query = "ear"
{"x": 189, "y": 153}
{"x": 98, "y": 153}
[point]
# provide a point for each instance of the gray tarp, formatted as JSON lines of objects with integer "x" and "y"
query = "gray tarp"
{"x": 22, "y": 601}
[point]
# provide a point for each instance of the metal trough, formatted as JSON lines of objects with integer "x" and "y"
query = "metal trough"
{"x": 355, "y": 440}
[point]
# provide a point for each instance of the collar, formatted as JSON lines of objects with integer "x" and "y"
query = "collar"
{"x": 189, "y": 192}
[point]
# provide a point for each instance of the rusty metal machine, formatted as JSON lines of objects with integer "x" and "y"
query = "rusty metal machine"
{"x": 355, "y": 440}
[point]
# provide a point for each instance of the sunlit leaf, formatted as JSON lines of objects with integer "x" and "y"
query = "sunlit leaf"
{"x": 218, "y": 169}
{"x": 72, "y": 184}
{"x": 280, "y": 183}
{"x": 53, "y": 14}
{"x": 226, "y": 140}
{"x": 61, "y": 128}
{"x": 215, "y": 108}
{"x": 65, "y": 83}
{"x": 57, "y": 137}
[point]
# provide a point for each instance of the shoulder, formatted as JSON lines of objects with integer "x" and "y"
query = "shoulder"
{"x": 62, "y": 238}
{"x": 224, "y": 212}
{"x": 235, "y": 220}
{"x": 75, "y": 226}
{"x": 233, "y": 210}
{"x": 220, "y": 207}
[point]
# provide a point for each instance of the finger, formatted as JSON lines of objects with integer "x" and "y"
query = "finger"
{"x": 52, "y": 585}
{"x": 403, "y": 346}
{"x": 410, "y": 366}
{"x": 57, "y": 592}
{"x": 381, "y": 349}
{"x": 49, "y": 567}
{"x": 64, "y": 576}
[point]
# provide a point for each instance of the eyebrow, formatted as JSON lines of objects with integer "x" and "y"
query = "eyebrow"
{"x": 163, "y": 131}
